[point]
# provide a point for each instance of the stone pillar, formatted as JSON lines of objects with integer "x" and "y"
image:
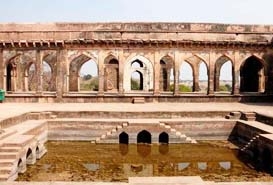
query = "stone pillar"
{"x": 2, "y": 70}
{"x": 176, "y": 73}
{"x": 261, "y": 81}
{"x": 156, "y": 73}
{"x": 121, "y": 61}
{"x": 39, "y": 70}
{"x": 196, "y": 87}
{"x": 101, "y": 73}
{"x": 61, "y": 73}
{"x": 236, "y": 74}
{"x": 212, "y": 59}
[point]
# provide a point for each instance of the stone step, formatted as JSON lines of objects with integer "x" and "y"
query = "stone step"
{"x": 19, "y": 141}
{"x": 4, "y": 177}
{"x": 9, "y": 149}
{"x": 8, "y": 155}
{"x": 5, "y": 170}
{"x": 7, "y": 133}
{"x": 138, "y": 100}
{"x": 235, "y": 113}
{"x": 7, "y": 162}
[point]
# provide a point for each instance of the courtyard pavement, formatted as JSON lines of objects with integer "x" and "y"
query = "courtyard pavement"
{"x": 13, "y": 109}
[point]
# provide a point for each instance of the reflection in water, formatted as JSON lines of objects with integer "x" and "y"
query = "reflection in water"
{"x": 83, "y": 161}
{"x": 123, "y": 149}
{"x": 202, "y": 165}
{"x": 225, "y": 165}
{"x": 182, "y": 166}
{"x": 144, "y": 149}
{"x": 163, "y": 149}
{"x": 91, "y": 166}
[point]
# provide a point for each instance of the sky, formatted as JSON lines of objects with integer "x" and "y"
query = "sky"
{"x": 205, "y": 11}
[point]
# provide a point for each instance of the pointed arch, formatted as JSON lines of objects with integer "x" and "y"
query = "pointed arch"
{"x": 123, "y": 138}
{"x": 185, "y": 77}
{"x": 145, "y": 68}
{"x": 223, "y": 74}
{"x": 75, "y": 78}
{"x": 166, "y": 73}
{"x": 163, "y": 138}
{"x": 252, "y": 78}
{"x": 144, "y": 137}
{"x": 111, "y": 73}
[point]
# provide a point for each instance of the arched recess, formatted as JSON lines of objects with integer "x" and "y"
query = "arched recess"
{"x": 223, "y": 75}
{"x": 20, "y": 166}
{"x": 163, "y": 138}
{"x": 123, "y": 138}
{"x": 185, "y": 77}
{"x": 252, "y": 77}
{"x": 15, "y": 73}
{"x": 49, "y": 72}
{"x": 31, "y": 77}
{"x": 83, "y": 77}
{"x": 47, "y": 82}
{"x": 111, "y": 74}
{"x": 166, "y": 73}
{"x": 136, "y": 81}
{"x": 30, "y": 157}
{"x": 143, "y": 66}
{"x": 144, "y": 137}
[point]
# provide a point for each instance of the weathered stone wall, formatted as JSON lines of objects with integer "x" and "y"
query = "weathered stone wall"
{"x": 159, "y": 48}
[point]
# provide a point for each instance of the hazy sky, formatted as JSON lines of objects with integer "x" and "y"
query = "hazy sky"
{"x": 218, "y": 11}
{"x": 208, "y": 11}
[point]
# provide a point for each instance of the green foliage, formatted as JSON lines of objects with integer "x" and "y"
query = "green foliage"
{"x": 135, "y": 84}
{"x": 225, "y": 87}
{"x": 182, "y": 88}
{"x": 89, "y": 85}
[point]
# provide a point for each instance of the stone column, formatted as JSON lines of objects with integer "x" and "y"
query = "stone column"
{"x": 196, "y": 87}
{"x": 261, "y": 81}
{"x": 121, "y": 61}
{"x": 156, "y": 73}
{"x": 61, "y": 73}
{"x": 212, "y": 59}
{"x": 39, "y": 64}
{"x": 236, "y": 74}
{"x": 176, "y": 73}
{"x": 2, "y": 70}
{"x": 101, "y": 73}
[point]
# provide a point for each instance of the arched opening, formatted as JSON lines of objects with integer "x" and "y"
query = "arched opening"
{"x": 29, "y": 156}
{"x": 144, "y": 137}
{"x": 31, "y": 77}
{"x": 145, "y": 76}
{"x": 136, "y": 81}
{"x": 9, "y": 77}
{"x": 203, "y": 77}
{"x": 252, "y": 75}
{"x": 89, "y": 80}
{"x": 163, "y": 138}
{"x": 20, "y": 166}
{"x": 185, "y": 77}
{"x": 37, "y": 152}
{"x": 111, "y": 74}
{"x": 223, "y": 75}
{"x": 123, "y": 138}
{"x": 267, "y": 160}
{"x": 166, "y": 74}
{"x": 47, "y": 77}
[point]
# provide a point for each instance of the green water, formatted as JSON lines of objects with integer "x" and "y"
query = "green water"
{"x": 83, "y": 161}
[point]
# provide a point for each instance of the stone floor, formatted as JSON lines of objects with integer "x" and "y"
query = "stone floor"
{"x": 13, "y": 109}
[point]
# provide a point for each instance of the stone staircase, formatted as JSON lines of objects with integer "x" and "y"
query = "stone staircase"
{"x": 109, "y": 133}
{"x": 14, "y": 144}
{"x": 182, "y": 137}
{"x": 248, "y": 144}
